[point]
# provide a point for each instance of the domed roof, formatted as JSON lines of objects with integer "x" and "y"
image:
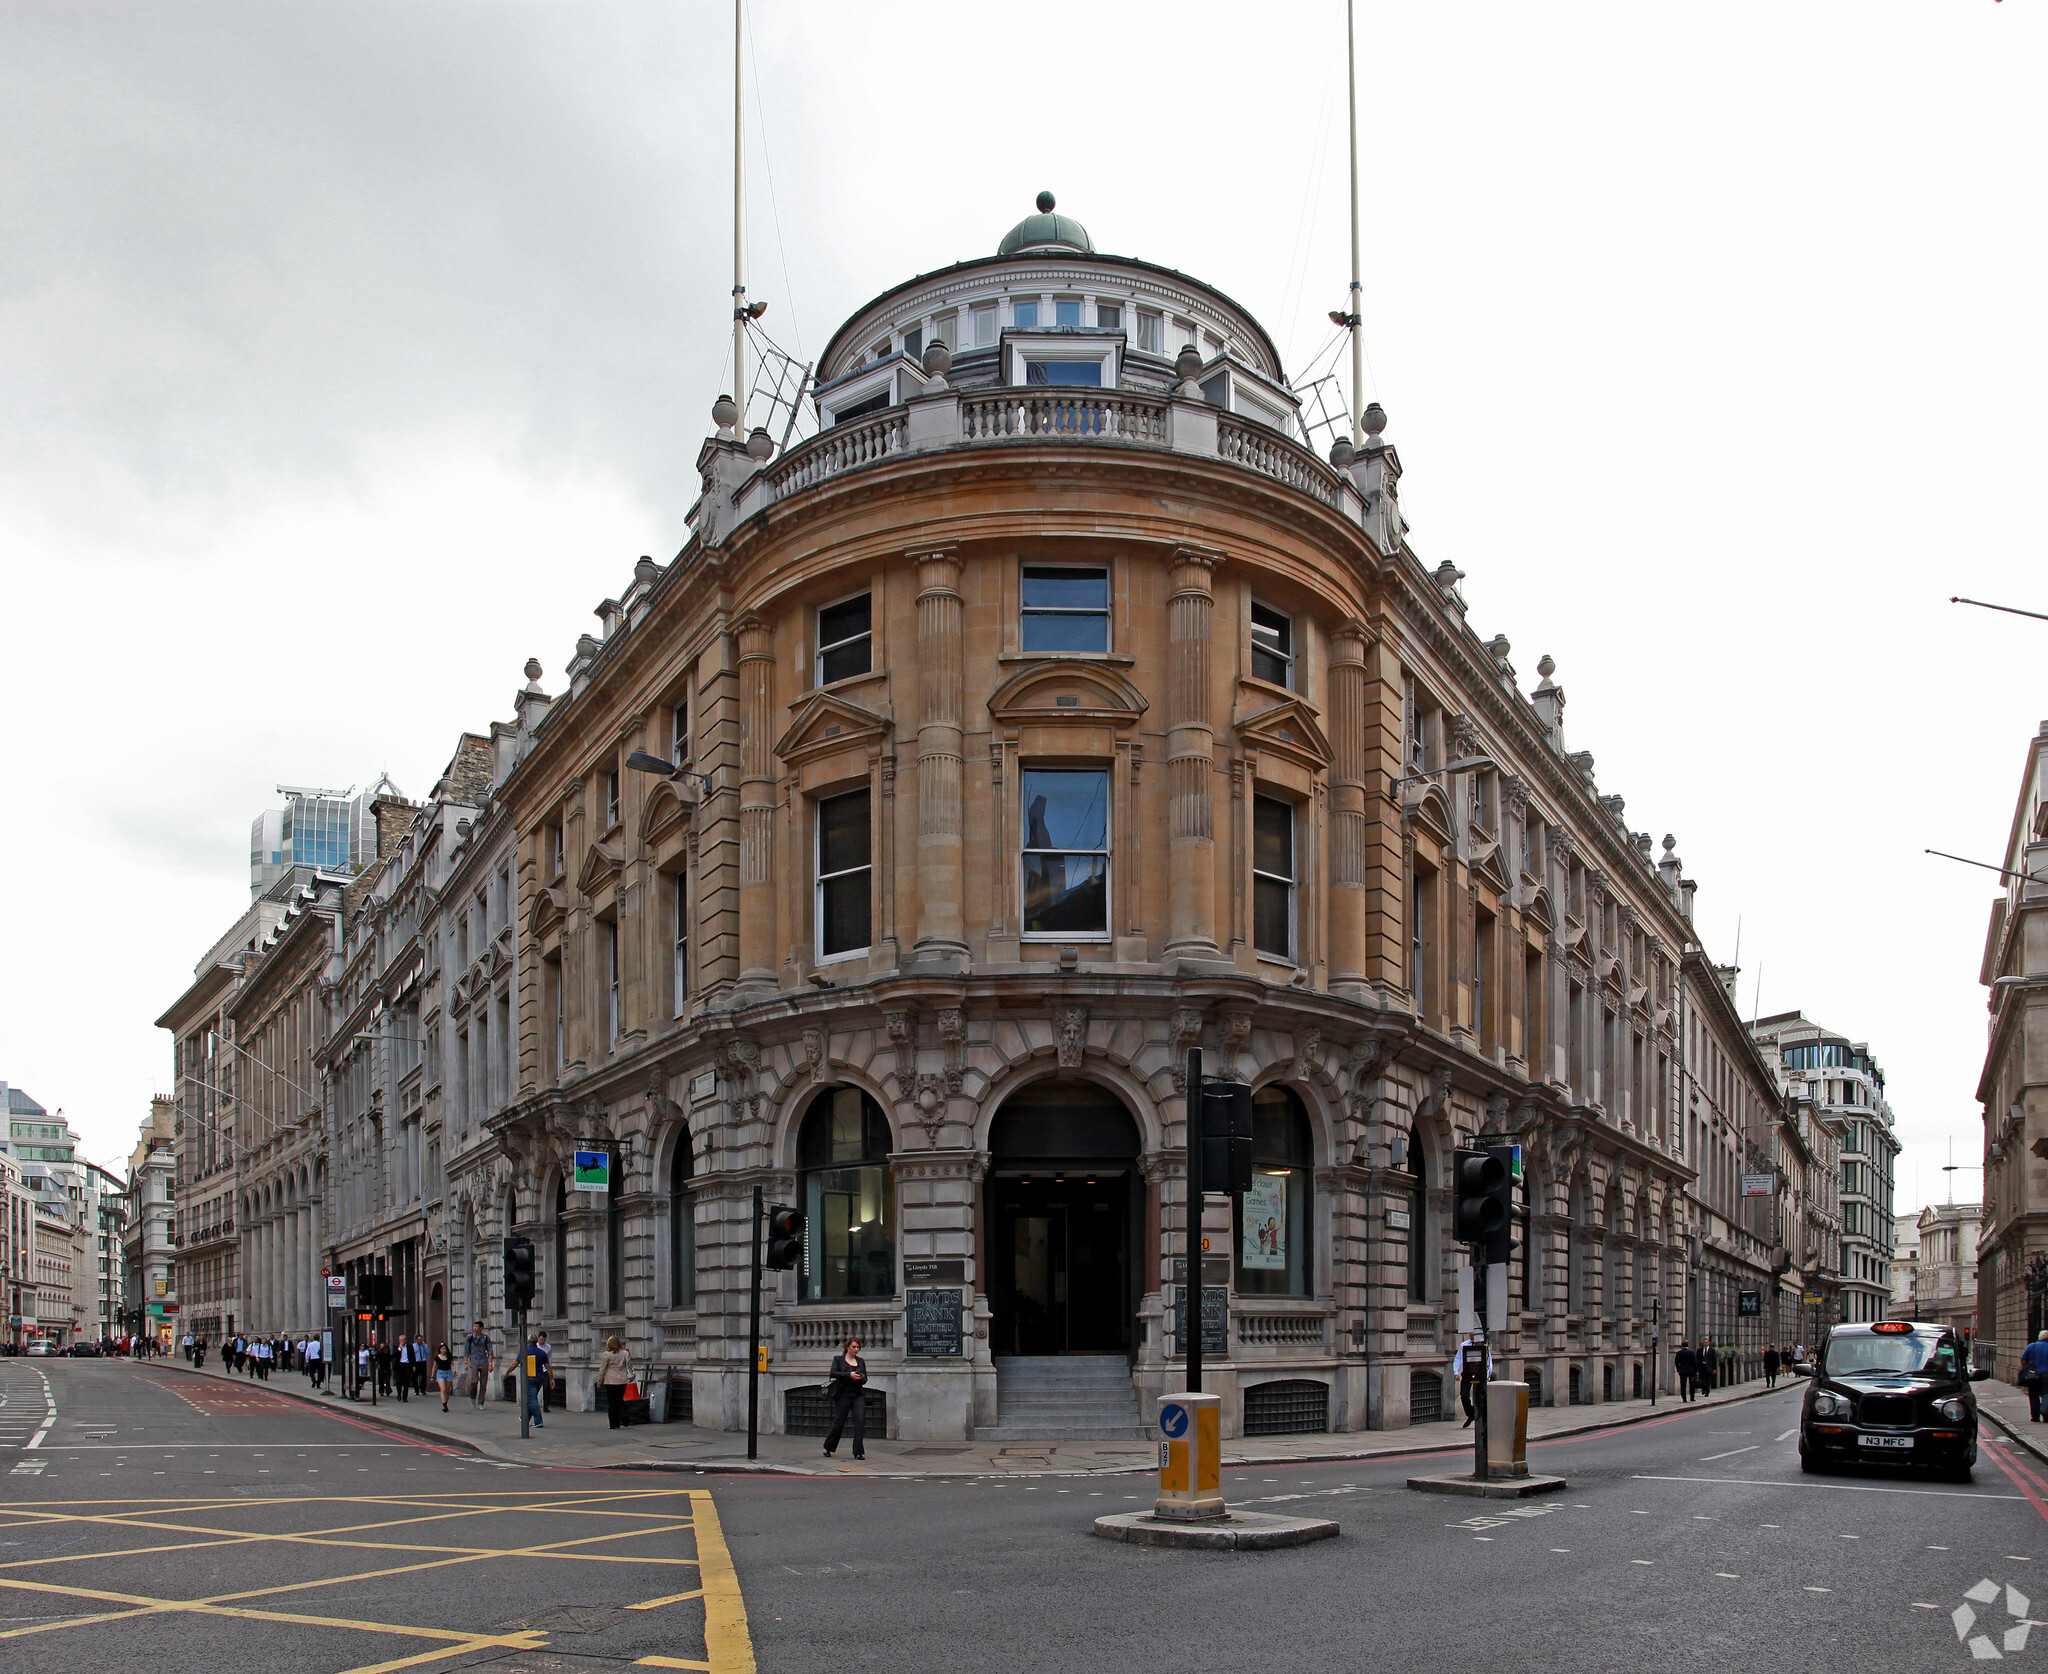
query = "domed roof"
{"x": 1046, "y": 231}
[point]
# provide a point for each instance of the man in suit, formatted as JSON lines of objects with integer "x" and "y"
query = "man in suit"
{"x": 1686, "y": 1362}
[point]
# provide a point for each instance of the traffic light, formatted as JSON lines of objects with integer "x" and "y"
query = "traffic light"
{"x": 1483, "y": 1198}
{"x": 519, "y": 1285}
{"x": 785, "y": 1236}
{"x": 1226, "y": 1136}
{"x": 373, "y": 1290}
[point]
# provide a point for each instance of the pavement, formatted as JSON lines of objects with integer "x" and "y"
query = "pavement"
{"x": 585, "y": 1440}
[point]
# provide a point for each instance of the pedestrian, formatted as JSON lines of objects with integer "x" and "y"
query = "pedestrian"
{"x": 314, "y": 1362}
{"x": 444, "y": 1373}
{"x": 1459, "y": 1363}
{"x": 1710, "y": 1365}
{"x": 849, "y": 1395}
{"x": 476, "y": 1361}
{"x": 1798, "y": 1354}
{"x": 2033, "y": 1375}
{"x": 614, "y": 1372}
{"x": 383, "y": 1366}
{"x": 1771, "y": 1364}
{"x": 547, "y": 1378}
{"x": 401, "y": 1370}
{"x": 188, "y": 1346}
{"x": 365, "y": 1371}
{"x": 199, "y": 1353}
{"x": 422, "y": 1365}
{"x": 536, "y": 1375}
{"x": 1686, "y": 1362}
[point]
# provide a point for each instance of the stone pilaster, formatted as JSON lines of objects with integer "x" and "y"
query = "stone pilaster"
{"x": 941, "y": 657}
{"x": 1190, "y": 759}
{"x": 757, "y": 804}
{"x": 1348, "y": 974}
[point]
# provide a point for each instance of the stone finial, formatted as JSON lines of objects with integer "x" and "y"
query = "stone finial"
{"x": 1185, "y": 365}
{"x": 937, "y": 361}
{"x": 1374, "y": 420}
{"x": 760, "y": 445}
{"x": 725, "y": 413}
{"x": 1342, "y": 453}
{"x": 533, "y": 673}
{"x": 1546, "y": 667}
{"x": 646, "y": 571}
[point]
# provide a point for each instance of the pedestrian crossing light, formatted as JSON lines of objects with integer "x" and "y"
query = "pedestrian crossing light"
{"x": 1226, "y": 1136}
{"x": 785, "y": 1237}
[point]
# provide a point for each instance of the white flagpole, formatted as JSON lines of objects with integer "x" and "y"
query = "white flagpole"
{"x": 1357, "y": 290}
{"x": 739, "y": 284}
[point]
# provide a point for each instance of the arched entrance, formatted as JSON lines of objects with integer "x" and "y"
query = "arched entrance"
{"x": 1065, "y": 1202}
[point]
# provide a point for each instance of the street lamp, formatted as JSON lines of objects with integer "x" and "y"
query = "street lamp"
{"x": 641, "y": 762}
{"x": 1464, "y": 764}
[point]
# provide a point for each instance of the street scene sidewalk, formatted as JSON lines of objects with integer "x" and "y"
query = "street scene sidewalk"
{"x": 583, "y": 1439}
{"x": 2005, "y": 1405}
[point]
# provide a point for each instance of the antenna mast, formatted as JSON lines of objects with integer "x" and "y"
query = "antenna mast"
{"x": 739, "y": 284}
{"x": 1357, "y": 291}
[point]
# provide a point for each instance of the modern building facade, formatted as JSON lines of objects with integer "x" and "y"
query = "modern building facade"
{"x": 2012, "y": 1293}
{"x": 316, "y": 830}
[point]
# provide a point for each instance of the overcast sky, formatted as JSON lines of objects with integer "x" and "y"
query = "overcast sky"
{"x": 349, "y": 354}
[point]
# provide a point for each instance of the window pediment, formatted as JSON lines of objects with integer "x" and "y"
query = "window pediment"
{"x": 1286, "y": 728}
{"x": 827, "y": 723}
{"x": 1065, "y": 689}
{"x": 663, "y": 812}
{"x": 600, "y": 869}
{"x": 549, "y": 908}
{"x": 1426, "y": 803}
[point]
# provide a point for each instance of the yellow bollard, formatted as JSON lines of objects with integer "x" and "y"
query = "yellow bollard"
{"x": 1190, "y": 1458}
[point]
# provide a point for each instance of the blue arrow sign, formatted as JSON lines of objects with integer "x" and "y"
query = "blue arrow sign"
{"x": 1173, "y": 1422}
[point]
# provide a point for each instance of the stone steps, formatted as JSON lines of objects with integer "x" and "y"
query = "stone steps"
{"x": 1065, "y": 1397}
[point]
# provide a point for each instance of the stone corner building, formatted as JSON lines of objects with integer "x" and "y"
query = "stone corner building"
{"x": 1049, "y": 713}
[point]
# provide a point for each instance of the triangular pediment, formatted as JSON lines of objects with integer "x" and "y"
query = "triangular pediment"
{"x": 1287, "y": 728}
{"x": 826, "y": 722}
{"x": 600, "y": 868}
{"x": 1067, "y": 689}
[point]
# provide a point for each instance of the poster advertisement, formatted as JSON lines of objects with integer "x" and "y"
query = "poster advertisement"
{"x": 1265, "y": 1222}
{"x": 593, "y": 1171}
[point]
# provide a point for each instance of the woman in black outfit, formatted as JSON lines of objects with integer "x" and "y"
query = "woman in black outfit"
{"x": 849, "y": 1394}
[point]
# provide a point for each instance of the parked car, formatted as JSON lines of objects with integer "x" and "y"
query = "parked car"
{"x": 1892, "y": 1392}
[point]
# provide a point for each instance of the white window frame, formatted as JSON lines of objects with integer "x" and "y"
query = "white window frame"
{"x": 820, "y": 877}
{"x": 1021, "y": 347}
{"x": 611, "y": 954}
{"x": 680, "y": 927}
{"x": 1291, "y": 880}
{"x": 1286, "y": 656}
{"x": 1107, "y": 612}
{"x": 611, "y": 797}
{"x": 680, "y": 744}
{"x": 986, "y": 321}
{"x": 1107, "y": 851}
{"x": 819, "y": 647}
{"x": 1157, "y": 321}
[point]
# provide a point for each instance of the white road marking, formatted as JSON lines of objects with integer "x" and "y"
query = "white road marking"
{"x": 1851, "y": 1537}
{"x": 1727, "y": 1575}
{"x": 1819, "y": 1589}
{"x": 1647, "y": 1563}
{"x": 1919, "y": 1606}
{"x": 1789, "y": 1434}
{"x": 1827, "y": 1487}
{"x": 1711, "y": 1457}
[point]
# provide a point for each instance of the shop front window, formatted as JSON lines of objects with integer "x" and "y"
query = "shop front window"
{"x": 850, "y": 1223}
{"x": 1274, "y": 1218}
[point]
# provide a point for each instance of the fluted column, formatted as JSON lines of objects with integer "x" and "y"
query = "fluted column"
{"x": 1347, "y": 811}
{"x": 1190, "y": 759}
{"x": 941, "y": 660}
{"x": 757, "y": 804}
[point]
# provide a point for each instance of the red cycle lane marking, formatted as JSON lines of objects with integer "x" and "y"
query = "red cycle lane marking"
{"x": 214, "y": 1400}
{"x": 2022, "y": 1481}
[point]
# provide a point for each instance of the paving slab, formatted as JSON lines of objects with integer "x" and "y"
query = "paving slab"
{"x": 584, "y": 1440}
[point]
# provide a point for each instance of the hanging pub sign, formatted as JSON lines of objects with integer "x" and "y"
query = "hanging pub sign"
{"x": 593, "y": 1171}
{"x": 1749, "y": 1302}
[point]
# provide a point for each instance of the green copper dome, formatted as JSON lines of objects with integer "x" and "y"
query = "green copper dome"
{"x": 1046, "y": 231}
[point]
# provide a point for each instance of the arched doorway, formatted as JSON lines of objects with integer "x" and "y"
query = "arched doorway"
{"x": 1065, "y": 1201}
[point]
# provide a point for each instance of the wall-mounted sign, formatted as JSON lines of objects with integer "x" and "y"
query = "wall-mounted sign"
{"x": 1215, "y": 1319}
{"x": 1759, "y": 1185}
{"x": 1749, "y": 1302}
{"x": 1398, "y": 1220}
{"x": 934, "y": 1270}
{"x": 593, "y": 1171}
{"x": 932, "y": 1322}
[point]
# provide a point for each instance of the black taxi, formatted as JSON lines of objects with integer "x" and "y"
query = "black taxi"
{"x": 1893, "y": 1392}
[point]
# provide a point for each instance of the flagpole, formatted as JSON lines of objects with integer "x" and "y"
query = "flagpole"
{"x": 1357, "y": 290}
{"x": 739, "y": 284}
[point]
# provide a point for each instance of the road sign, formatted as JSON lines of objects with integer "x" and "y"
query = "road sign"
{"x": 1173, "y": 1421}
{"x": 1811, "y": 1296}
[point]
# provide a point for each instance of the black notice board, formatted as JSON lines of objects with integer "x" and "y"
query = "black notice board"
{"x": 1215, "y": 1319}
{"x": 932, "y": 1322}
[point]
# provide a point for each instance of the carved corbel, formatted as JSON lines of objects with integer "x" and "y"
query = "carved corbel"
{"x": 1232, "y": 1038}
{"x": 902, "y": 1029}
{"x": 952, "y": 1027}
{"x": 1070, "y": 1034}
{"x": 1183, "y": 1035}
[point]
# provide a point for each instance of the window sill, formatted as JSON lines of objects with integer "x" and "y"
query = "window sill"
{"x": 1116, "y": 659}
{"x": 1279, "y": 691}
{"x": 844, "y": 683}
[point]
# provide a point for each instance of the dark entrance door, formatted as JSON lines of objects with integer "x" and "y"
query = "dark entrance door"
{"x": 1060, "y": 1265}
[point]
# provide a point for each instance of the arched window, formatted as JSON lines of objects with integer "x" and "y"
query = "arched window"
{"x": 561, "y": 1251}
{"x": 682, "y": 1228}
{"x": 615, "y": 1237}
{"x": 1275, "y": 1218}
{"x": 1418, "y": 1219}
{"x": 850, "y": 1230}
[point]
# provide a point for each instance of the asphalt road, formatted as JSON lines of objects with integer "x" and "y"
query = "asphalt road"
{"x": 152, "y": 1520}
{"x": 155, "y": 1521}
{"x": 1690, "y": 1542}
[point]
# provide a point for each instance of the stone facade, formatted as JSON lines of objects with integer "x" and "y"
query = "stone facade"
{"x": 2012, "y": 1288}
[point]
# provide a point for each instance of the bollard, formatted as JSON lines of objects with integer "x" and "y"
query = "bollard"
{"x": 1190, "y": 1459}
{"x": 1507, "y": 1434}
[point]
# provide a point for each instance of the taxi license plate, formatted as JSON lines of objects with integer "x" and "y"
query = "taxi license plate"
{"x": 1884, "y": 1441}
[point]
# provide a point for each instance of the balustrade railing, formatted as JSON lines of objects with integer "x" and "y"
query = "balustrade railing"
{"x": 1076, "y": 415}
{"x": 1281, "y": 1330}
{"x": 844, "y": 447}
{"x": 1266, "y": 451}
{"x": 830, "y": 1332}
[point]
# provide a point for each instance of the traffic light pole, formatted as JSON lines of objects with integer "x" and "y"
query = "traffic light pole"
{"x": 754, "y": 1340}
{"x": 1191, "y": 1291}
{"x": 1479, "y": 1378}
{"x": 519, "y": 1374}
